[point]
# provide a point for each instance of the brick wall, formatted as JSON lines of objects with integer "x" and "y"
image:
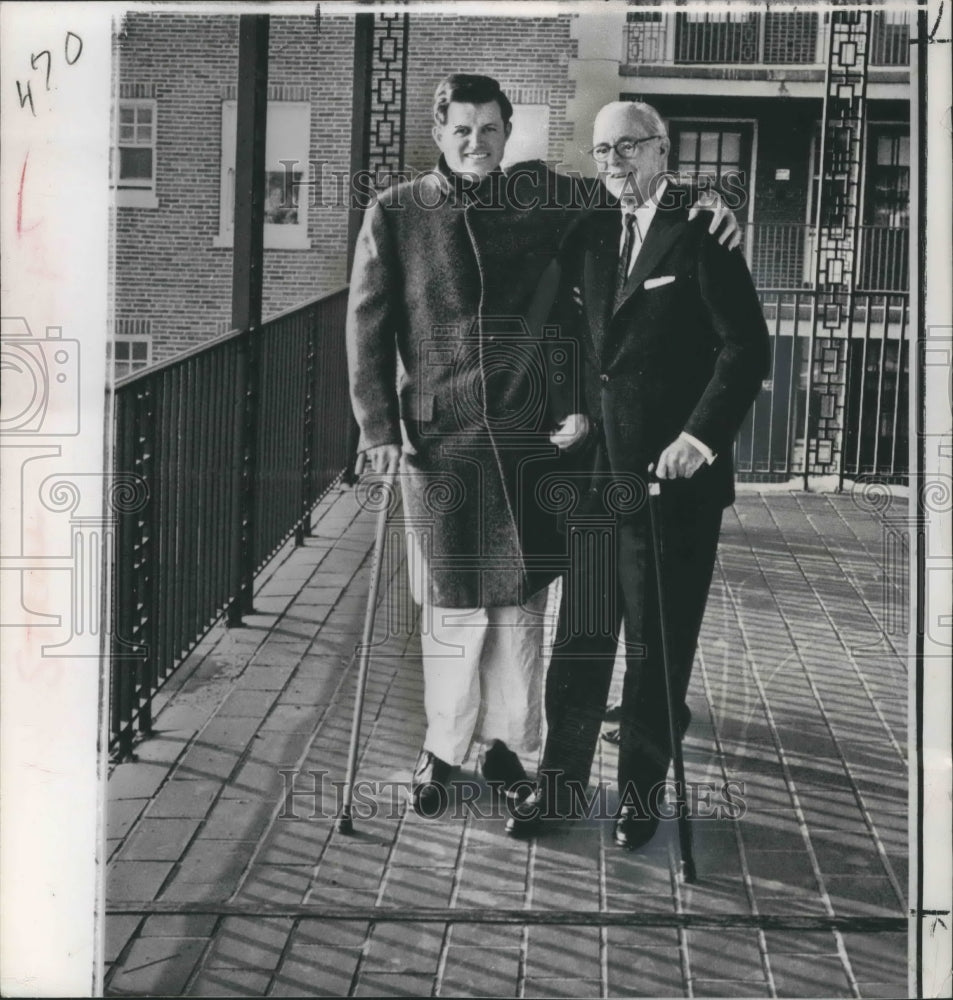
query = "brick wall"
{"x": 167, "y": 266}
{"x": 529, "y": 56}
{"x": 168, "y": 269}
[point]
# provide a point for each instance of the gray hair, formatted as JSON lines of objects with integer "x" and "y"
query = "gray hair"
{"x": 650, "y": 119}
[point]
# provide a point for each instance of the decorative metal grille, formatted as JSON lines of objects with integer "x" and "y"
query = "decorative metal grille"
{"x": 387, "y": 96}
{"x": 837, "y": 232}
{"x": 790, "y": 37}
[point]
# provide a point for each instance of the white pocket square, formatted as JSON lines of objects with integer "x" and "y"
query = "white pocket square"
{"x": 651, "y": 283}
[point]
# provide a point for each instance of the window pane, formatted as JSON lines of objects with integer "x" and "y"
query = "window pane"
{"x": 121, "y": 350}
{"x": 731, "y": 149}
{"x": 709, "y": 147}
{"x": 903, "y": 153}
{"x": 144, "y": 134}
{"x": 287, "y": 134}
{"x": 687, "y": 147}
{"x": 135, "y": 164}
{"x": 144, "y": 114}
{"x": 127, "y": 114}
{"x": 280, "y": 201}
{"x": 126, "y": 133}
{"x": 140, "y": 350}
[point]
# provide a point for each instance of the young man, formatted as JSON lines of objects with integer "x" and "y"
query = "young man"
{"x": 675, "y": 347}
{"x": 447, "y": 281}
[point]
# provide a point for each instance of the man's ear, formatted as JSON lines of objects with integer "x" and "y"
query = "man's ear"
{"x": 437, "y": 132}
{"x": 508, "y": 128}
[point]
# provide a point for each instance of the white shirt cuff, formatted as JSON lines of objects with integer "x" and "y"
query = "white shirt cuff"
{"x": 707, "y": 453}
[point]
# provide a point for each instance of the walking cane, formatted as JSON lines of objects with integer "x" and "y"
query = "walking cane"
{"x": 345, "y": 824}
{"x": 684, "y": 830}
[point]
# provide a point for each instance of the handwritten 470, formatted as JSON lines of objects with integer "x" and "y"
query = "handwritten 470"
{"x": 72, "y": 50}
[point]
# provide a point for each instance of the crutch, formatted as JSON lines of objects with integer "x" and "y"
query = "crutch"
{"x": 345, "y": 824}
{"x": 684, "y": 830}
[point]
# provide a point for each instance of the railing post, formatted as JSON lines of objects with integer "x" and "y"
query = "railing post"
{"x": 146, "y": 562}
{"x": 303, "y": 530}
{"x": 124, "y": 674}
{"x": 842, "y": 463}
{"x": 248, "y": 255}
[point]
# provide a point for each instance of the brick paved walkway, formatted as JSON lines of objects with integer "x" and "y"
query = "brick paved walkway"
{"x": 221, "y": 883}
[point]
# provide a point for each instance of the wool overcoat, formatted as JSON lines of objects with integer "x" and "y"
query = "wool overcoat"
{"x": 445, "y": 336}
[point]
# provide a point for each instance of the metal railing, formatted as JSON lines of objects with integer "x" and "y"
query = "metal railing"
{"x": 746, "y": 38}
{"x": 717, "y": 38}
{"x": 884, "y": 261}
{"x": 233, "y": 443}
{"x": 781, "y": 255}
{"x": 855, "y": 375}
{"x": 890, "y": 38}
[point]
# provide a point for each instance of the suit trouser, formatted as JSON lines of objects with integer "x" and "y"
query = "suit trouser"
{"x": 580, "y": 673}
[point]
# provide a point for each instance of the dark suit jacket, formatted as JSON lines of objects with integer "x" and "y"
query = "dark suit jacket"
{"x": 685, "y": 351}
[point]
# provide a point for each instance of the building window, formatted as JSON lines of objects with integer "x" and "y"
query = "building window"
{"x": 129, "y": 354}
{"x": 718, "y": 154}
{"x": 287, "y": 146}
{"x": 709, "y": 154}
{"x": 529, "y": 138}
{"x": 885, "y": 237}
{"x": 888, "y": 178}
{"x": 890, "y": 38}
{"x": 133, "y": 165}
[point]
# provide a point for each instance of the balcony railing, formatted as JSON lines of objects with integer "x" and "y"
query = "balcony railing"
{"x": 836, "y": 400}
{"x": 247, "y": 431}
{"x": 781, "y": 255}
{"x": 749, "y": 38}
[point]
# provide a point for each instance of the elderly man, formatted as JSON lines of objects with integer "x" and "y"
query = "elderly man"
{"x": 675, "y": 347}
{"x": 446, "y": 285}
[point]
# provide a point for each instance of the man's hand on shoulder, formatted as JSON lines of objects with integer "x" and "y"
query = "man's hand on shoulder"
{"x": 721, "y": 216}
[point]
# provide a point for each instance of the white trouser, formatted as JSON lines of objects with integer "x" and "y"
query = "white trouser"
{"x": 483, "y": 670}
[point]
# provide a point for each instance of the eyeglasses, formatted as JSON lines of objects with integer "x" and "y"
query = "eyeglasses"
{"x": 626, "y": 148}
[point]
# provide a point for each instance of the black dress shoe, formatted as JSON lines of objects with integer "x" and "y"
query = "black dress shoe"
{"x": 428, "y": 788}
{"x": 634, "y": 829}
{"x": 500, "y": 766}
{"x": 526, "y": 817}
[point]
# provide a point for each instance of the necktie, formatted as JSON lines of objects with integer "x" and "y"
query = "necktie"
{"x": 625, "y": 258}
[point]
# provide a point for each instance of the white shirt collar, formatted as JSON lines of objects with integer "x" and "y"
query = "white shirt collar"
{"x": 646, "y": 211}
